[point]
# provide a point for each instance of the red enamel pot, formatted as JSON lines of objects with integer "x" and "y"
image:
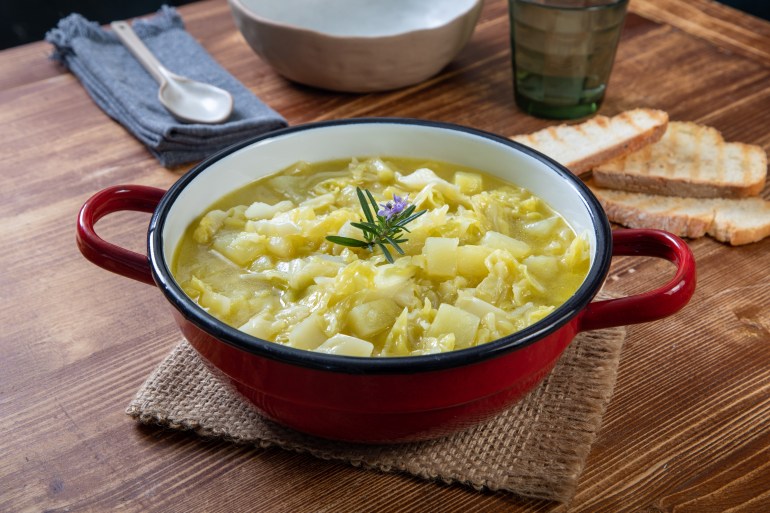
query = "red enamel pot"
{"x": 385, "y": 399}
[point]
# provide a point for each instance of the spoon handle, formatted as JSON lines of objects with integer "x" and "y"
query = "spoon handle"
{"x": 143, "y": 54}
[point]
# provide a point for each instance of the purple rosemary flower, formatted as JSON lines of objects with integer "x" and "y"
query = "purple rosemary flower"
{"x": 391, "y": 209}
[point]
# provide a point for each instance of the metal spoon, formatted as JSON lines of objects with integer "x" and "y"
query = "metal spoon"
{"x": 186, "y": 99}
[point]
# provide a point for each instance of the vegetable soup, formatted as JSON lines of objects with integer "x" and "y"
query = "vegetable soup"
{"x": 380, "y": 257}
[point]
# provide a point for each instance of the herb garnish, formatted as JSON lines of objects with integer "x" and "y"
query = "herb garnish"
{"x": 385, "y": 227}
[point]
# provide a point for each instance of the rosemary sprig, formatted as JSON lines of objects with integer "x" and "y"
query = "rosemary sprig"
{"x": 384, "y": 227}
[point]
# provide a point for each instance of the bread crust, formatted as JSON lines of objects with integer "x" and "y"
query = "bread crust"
{"x": 583, "y": 146}
{"x": 674, "y": 187}
{"x": 733, "y": 221}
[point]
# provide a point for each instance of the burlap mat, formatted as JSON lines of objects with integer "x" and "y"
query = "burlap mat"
{"x": 535, "y": 449}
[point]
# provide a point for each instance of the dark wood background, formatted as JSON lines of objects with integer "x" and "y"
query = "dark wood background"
{"x": 688, "y": 429}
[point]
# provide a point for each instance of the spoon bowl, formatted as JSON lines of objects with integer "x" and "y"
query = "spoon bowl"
{"x": 195, "y": 102}
{"x": 187, "y": 100}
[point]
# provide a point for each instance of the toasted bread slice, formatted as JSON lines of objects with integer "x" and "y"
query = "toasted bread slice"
{"x": 690, "y": 160}
{"x": 734, "y": 221}
{"x": 583, "y": 146}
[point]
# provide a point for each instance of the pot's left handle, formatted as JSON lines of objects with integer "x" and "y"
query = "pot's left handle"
{"x": 139, "y": 198}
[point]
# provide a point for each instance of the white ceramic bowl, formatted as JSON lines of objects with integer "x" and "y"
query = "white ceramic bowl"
{"x": 357, "y": 45}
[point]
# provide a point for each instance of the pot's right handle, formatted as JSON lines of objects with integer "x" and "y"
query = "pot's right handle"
{"x": 107, "y": 255}
{"x": 653, "y": 305}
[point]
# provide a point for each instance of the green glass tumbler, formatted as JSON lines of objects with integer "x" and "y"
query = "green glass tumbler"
{"x": 563, "y": 52}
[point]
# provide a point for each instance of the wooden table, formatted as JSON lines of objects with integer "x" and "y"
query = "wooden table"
{"x": 688, "y": 428}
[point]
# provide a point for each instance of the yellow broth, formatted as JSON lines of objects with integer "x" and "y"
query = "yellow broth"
{"x": 486, "y": 259}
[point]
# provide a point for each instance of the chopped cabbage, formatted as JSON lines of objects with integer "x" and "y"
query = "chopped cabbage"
{"x": 259, "y": 210}
{"x": 485, "y": 260}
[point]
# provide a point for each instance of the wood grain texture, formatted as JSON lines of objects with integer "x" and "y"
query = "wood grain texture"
{"x": 688, "y": 429}
{"x": 714, "y": 21}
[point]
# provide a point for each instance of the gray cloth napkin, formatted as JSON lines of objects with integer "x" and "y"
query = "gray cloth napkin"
{"x": 127, "y": 93}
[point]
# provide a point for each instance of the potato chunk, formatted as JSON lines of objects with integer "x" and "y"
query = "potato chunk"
{"x": 369, "y": 319}
{"x": 470, "y": 261}
{"x": 308, "y": 333}
{"x": 441, "y": 257}
{"x": 468, "y": 183}
{"x": 450, "y": 319}
{"x": 346, "y": 345}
